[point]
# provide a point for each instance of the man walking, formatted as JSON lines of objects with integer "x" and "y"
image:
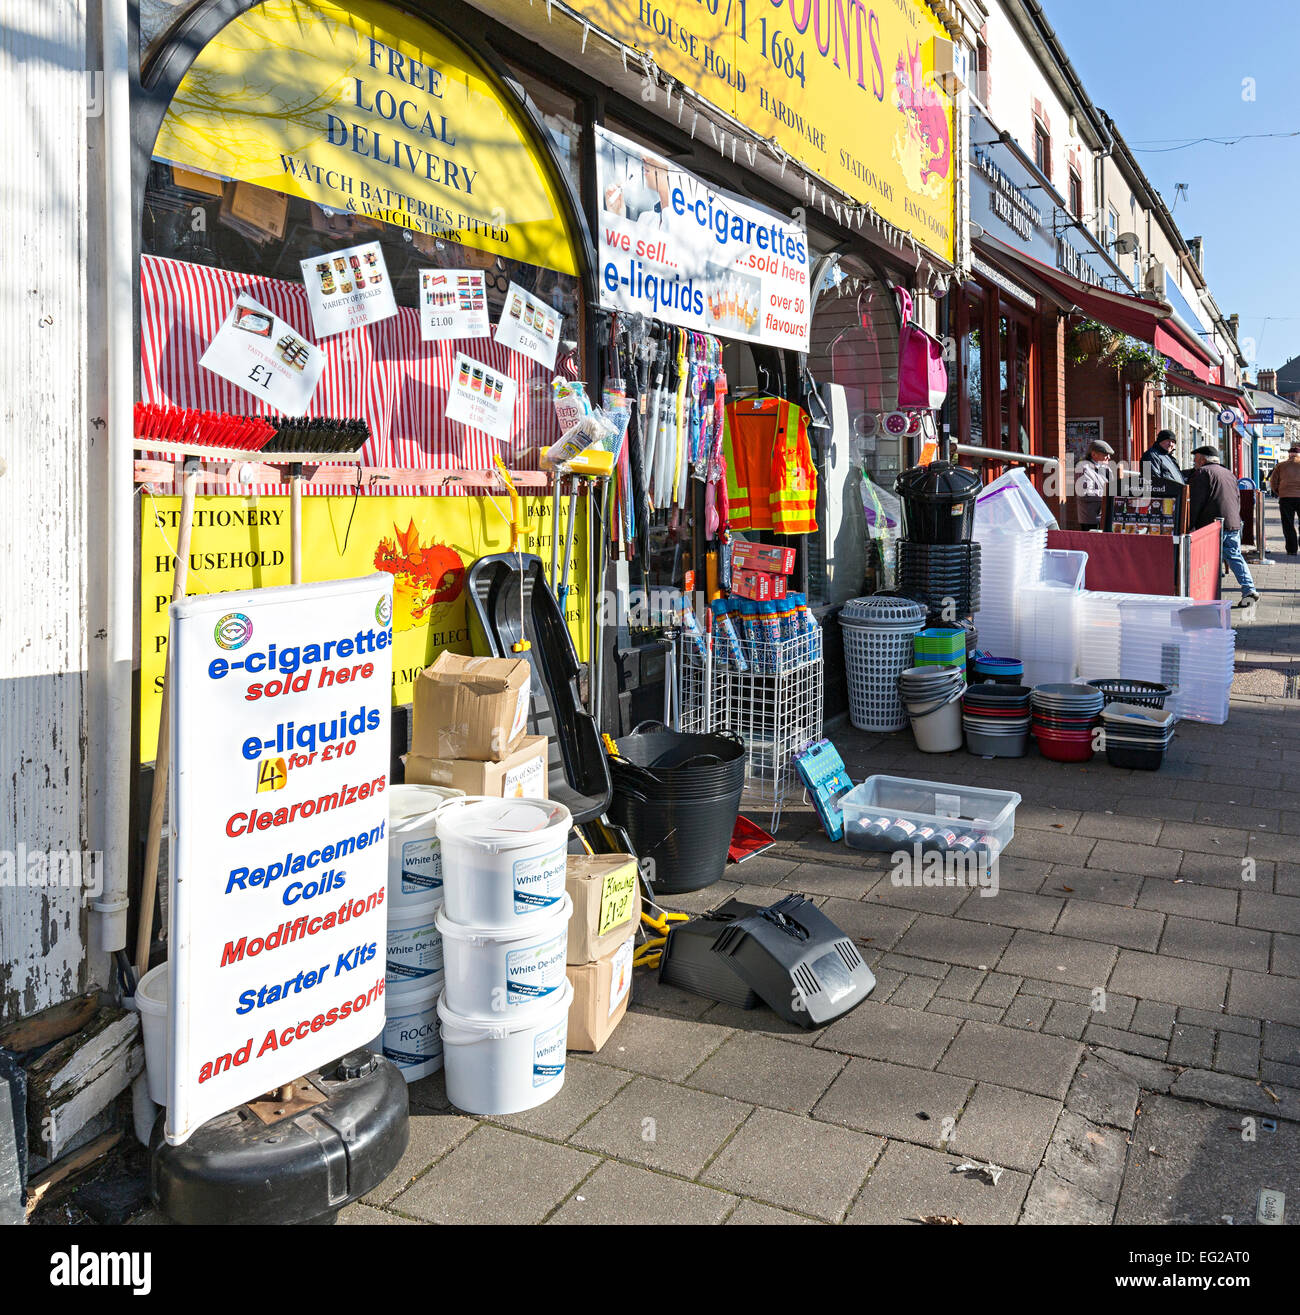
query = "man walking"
{"x": 1094, "y": 480}
{"x": 1160, "y": 468}
{"x": 1214, "y": 496}
{"x": 1284, "y": 484}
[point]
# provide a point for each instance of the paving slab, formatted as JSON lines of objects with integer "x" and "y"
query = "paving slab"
{"x": 870, "y": 924}
{"x": 911, "y": 1183}
{"x": 1280, "y": 913}
{"x": 1260, "y": 995}
{"x": 587, "y": 1087}
{"x": 1003, "y": 1126}
{"x": 661, "y": 1046}
{"x": 1041, "y": 1065}
{"x": 910, "y": 1104}
{"x": 1089, "y": 1155}
{"x": 1145, "y": 860}
{"x": 496, "y": 1176}
{"x": 1110, "y": 924}
{"x": 431, "y": 1136}
{"x": 1053, "y": 1200}
{"x": 1189, "y": 1164}
{"x": 952, "y": 940}
{"x": 663, "y": 1126}
{"x": 623, "y": 1194}
{"x": 1215, "y": 942}
{"x": 1013, "y": 908}
{"x": 1189, "y": 899}
{"x": 811, "y": 1167}
{"x": 1058, "y": 959}
{"x": 886, "y": 1032}
{"x": 1103, "y": 1094}
{"x": 765, "y": 1071}
{"x": 1091, "y": 884}
{"x": 750, "y": 1212}
{"x": 1175, "y": 981}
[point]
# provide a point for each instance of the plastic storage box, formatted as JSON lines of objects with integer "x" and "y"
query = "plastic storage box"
{"x": 979, "y": 812}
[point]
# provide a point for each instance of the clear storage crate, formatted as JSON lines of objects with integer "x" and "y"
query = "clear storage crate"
{"x": 932, "y": 803}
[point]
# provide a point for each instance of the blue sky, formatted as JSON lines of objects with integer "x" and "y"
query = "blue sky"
{"x": 1170, "y": 70}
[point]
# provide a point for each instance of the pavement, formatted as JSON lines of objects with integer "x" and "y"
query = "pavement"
{"x": 1113, "y": 1037}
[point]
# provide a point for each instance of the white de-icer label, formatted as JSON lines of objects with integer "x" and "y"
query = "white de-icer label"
{"x": 527, "y": 781}
{"x": 413, "y": 1038}
{"x": 539, "y": 882}
{"x": 422, "y": 867}
{"x": 622, "y": 974}
{"x": 533, "y": 973}
{"x": 414, "y": 952}
{"x": 548, "y": 1053}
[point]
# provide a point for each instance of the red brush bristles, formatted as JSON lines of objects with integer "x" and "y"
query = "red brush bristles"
{"x": 174, "y": 424}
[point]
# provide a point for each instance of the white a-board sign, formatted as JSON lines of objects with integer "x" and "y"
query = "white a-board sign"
{"x": 281, "y": 704}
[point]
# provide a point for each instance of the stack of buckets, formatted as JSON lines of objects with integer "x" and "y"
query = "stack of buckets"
{"x": 932, "y": 697}
{"x": 504, "y": 1006}
{"x": 413, "y": 964}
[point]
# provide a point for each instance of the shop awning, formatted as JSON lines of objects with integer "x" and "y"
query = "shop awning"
{"x": 1135, "y": 316}
{"x": 1171, "y": 342}
{"x": 1216, "y": 393}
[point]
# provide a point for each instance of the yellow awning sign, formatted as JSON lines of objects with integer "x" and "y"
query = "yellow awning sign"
{"x": 366, "y": 110}
{"x": 845, "y": 87}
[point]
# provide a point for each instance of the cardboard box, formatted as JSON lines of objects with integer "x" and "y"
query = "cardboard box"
{"x": 761, "y": 557}
{"x": 470, "y": 707}
{"x": 759, "y": 586}
{"x": 601, "y": 991}
{"x": 520, "y": 776}
{"x": 606, "y": 897}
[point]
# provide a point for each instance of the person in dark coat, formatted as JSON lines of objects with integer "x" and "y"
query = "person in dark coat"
{"x": 1214, "y": 496}
{"x": 1159, "y": 466}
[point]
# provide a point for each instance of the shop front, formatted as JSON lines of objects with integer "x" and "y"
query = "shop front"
{"x": 592, "y": 360}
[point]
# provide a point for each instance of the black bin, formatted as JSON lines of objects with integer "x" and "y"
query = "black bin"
{"x": 678, "y": 796}
{"x": 938, "y": 502}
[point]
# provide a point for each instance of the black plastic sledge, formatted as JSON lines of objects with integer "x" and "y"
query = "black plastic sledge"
{"x": 577, "y": 768}
{"x": 798, "y": 961}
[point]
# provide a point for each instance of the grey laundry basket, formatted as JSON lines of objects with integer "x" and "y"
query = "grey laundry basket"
{"x": 878, "y": 635}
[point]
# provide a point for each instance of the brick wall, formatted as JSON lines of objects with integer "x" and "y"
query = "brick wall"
{"x": 1051, "y": 354}
{"x": 1094, "y": 390}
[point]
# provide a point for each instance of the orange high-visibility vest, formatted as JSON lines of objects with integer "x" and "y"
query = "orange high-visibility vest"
{"x": 771, "y": 479}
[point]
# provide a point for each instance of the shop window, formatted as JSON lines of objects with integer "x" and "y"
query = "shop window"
{"x": 208, "y": 235}
{"x": 854, "y": 345}
{"x": 561, "y": 116}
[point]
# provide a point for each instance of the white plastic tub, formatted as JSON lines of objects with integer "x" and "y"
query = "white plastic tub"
{"x": 507, "y": 1065}
{"x": 503, "y": 859}
{"x": 414, "y": 944}
{"x": 494, "y": 973}
{"x": 151, "y": 1001}
{"x": 414, "y": 854}
{"x": 411, "y": 1038}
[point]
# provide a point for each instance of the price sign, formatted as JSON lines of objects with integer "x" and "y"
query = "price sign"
{"x": 259, "y": 352}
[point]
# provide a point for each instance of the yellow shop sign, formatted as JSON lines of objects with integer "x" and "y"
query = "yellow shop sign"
{"x": 361, "y": 108}
{"x": 846, "y": 87}
{"x": 426, "y": 544}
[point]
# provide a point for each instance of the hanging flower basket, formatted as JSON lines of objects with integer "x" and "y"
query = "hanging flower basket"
{"x": 1138, "y": 370}
{"x": 1089, "y": 342}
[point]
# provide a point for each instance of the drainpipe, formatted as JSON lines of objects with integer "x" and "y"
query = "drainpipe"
{"x": 114, "y": 758}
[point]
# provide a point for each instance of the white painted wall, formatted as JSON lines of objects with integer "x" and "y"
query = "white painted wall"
{"x": 1015, "y": 80}
{"x": 45, "y": 441}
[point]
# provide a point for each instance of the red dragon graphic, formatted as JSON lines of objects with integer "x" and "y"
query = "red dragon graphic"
{"x": 925, "y": 112}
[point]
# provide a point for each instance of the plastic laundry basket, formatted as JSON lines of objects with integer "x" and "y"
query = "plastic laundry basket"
{"x": 878, "y": 637}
